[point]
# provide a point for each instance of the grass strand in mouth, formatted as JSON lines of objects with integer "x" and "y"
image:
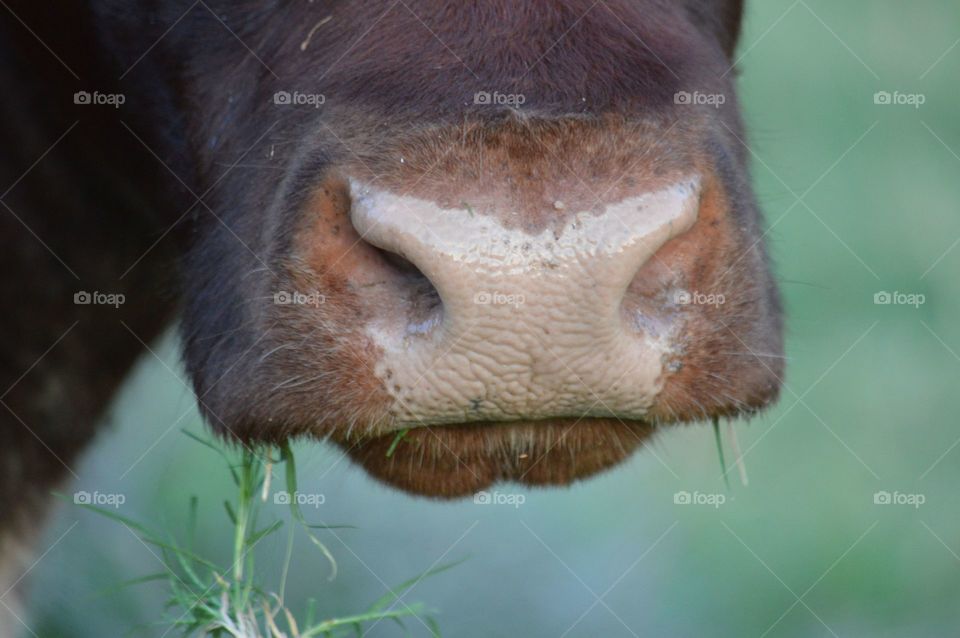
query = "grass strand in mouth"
{"x": 723, "y": 463}
{"x": 210, "y": 599}
{"x": 396, "y": 441}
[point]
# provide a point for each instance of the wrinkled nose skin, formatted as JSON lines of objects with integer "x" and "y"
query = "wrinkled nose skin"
{"x": 529, "y": 325}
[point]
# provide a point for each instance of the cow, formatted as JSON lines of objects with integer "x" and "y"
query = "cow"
{"x": 467, "y": 242}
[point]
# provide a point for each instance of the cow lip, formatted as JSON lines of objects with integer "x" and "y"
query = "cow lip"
{"x": 453, "y": 461}
{"x": 567, "y": 420}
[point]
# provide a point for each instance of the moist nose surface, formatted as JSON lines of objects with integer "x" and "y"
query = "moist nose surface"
{"x": 530, "y": 326}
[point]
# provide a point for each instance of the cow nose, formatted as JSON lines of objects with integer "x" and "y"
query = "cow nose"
{"x": 530, "y": 324}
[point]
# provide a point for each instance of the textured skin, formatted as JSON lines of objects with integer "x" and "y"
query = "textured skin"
{"x": 569, "y": 350}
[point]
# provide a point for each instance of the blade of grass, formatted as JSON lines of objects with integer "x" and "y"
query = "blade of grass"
{"x": 396, "y": 441}
{"x": 255, "y": 538}
{"x": 291, "y": 476}
{"x": 398, "y": 591}
{"x": 230, "y": 513}
{"x": 723, "y": 463}
{"x": 216, "y": 449}
{"x": 413, "y": 610}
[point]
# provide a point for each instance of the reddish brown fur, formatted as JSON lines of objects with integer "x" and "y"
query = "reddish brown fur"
{"x": 458, "y": 460}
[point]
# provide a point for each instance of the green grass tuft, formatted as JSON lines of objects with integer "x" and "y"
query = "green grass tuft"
{"x": 207, "y": 599}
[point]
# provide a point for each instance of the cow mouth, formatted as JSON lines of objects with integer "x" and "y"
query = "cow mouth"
{"x": 452, "y": 461}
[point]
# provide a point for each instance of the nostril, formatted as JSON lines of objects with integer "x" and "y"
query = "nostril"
{"x": 399, "y": 263}
{"x": 413, "y": 290}
{"x": 370, "y": 264}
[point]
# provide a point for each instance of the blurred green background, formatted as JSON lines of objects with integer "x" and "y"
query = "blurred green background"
{"x": 860, "y": 198}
